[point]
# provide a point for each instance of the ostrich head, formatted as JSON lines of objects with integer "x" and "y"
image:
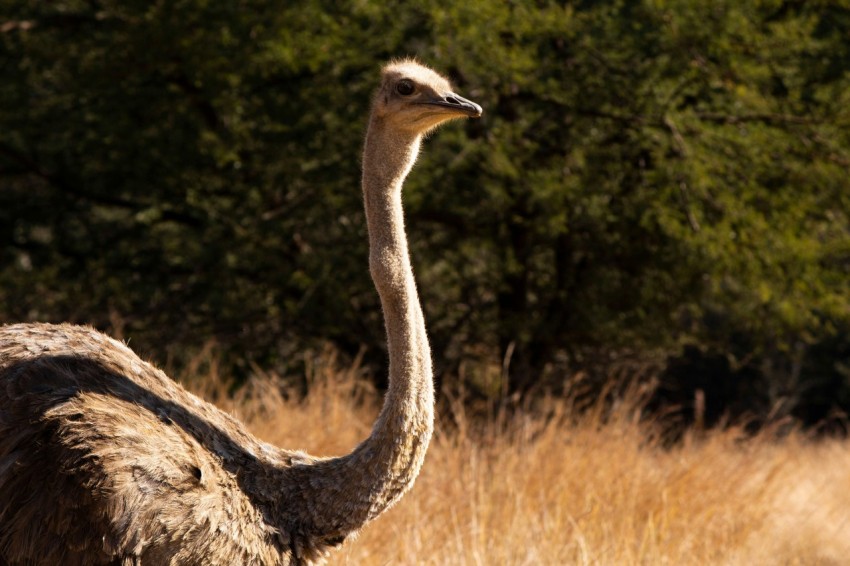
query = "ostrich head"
{"x": 415, "y": 99}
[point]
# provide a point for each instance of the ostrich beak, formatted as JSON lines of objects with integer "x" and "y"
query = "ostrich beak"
{"x": 453, "y": 102}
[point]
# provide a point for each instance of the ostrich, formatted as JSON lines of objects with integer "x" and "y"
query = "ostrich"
{"x": 105, "y": 460}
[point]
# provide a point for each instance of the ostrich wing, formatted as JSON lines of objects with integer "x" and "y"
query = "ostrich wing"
{"x": 99, "y": 464}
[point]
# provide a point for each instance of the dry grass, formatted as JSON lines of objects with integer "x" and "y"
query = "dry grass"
{"x": 562, "y": 489}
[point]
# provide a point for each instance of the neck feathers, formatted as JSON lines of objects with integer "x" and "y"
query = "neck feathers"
{"x": 347, "y": 492}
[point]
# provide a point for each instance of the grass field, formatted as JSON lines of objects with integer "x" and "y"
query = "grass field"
{"x": 567, "y": 489}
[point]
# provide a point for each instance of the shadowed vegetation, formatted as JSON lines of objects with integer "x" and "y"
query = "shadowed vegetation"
{"x": 656, "y": 188}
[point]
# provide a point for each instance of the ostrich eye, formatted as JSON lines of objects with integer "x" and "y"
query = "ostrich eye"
{"x": 404, "y": 88}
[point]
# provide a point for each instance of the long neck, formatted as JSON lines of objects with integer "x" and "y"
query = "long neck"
{"x": 342, "y": 494}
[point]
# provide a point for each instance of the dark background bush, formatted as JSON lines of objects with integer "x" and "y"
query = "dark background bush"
{"x": 654, "y": 184}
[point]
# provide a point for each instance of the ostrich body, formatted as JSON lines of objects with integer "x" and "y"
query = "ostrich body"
{"x": 105, "y": 460}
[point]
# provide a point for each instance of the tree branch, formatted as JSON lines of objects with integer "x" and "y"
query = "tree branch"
{"x": 757, "y": 117}
{"x": 32, "y": 167}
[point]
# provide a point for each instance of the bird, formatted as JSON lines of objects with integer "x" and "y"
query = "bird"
{"x": 104, "y": 459}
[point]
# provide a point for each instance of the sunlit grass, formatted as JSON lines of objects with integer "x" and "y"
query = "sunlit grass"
{"x": 572, "y": 489}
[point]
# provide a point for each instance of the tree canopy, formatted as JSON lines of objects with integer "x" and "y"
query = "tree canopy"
{"x": 659, "y": 182}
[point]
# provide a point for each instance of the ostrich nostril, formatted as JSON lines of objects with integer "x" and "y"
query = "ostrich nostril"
{"x": 452, "y": 100}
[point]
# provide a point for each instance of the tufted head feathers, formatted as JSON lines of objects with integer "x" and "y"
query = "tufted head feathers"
{"x": 416, "y": 99}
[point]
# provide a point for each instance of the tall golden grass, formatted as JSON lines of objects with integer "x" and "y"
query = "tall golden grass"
{"x": 557, "y": 487}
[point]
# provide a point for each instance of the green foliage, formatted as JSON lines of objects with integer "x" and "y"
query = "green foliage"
{"x": 647, "y": 175}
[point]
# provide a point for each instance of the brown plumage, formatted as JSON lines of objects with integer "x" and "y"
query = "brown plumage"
{"x": 105, "y": 460}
